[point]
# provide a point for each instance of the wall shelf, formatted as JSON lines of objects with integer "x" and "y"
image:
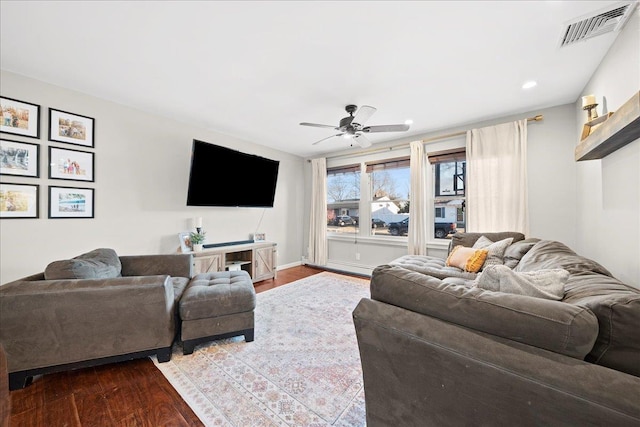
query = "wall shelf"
{"x": 615, "y": 132}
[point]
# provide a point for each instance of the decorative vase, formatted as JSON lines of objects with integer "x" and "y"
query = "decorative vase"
{"x": 197, "y": 247}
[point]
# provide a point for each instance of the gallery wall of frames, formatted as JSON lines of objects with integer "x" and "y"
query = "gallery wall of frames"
{"x": 70, "y": 153}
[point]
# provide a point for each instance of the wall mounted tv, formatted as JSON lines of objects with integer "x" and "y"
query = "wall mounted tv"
{"x": 221, "y": 176}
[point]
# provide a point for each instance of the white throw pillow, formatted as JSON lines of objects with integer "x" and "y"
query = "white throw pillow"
{"x": 496, "y": 250}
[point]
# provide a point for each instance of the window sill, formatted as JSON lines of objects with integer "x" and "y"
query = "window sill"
{"x": 387, "y": 241}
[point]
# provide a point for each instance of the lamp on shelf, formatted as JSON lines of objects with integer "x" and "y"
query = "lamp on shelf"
{"x": 589, "y": 104}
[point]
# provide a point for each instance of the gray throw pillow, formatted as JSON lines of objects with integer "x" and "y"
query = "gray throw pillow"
{"x": 101, "y": 263}
{"x": 496, "y": 250}
{"x": 517, "y": 250}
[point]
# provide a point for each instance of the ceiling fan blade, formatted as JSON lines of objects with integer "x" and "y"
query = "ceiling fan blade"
{"x": 316, "y": 125}
{"x": 363, "y": 114}
{"x": 386, "y": 128}
{"x": 362, "y": 140}
{"x": 323, "y": 139}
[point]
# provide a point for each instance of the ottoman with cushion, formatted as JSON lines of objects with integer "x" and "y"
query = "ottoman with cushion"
{"x": 217, "y": 305}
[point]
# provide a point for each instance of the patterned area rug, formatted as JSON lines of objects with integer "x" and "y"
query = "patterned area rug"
{"x": 303, "y": 369}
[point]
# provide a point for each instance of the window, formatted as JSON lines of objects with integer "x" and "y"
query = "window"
{"x": 343, "y": 199}
{"x": 449, "y": 177}
{"x": 389, "y": 186}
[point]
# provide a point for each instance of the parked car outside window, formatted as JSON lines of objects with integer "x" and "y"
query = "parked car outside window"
{"x": 441, "y": 229}
{"x": 378, "y": 223}
{"x": 343, "y": 220}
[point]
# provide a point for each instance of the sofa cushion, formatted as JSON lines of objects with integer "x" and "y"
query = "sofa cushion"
{"x": 432, "y": 266}
{"x": 615, "y": 304}
{"x": 514, "y": 253}
{"x": 98, "y": 264}
{"x": 553, "y": 325}
{"x": 467, "y": 259}
{"x": 468, "y": 239}
{"x": 495, "y": 250}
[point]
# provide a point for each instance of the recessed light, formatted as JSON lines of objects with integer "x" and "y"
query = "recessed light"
{"x": 408, "y": 122}
{"x": 529, "y": 84}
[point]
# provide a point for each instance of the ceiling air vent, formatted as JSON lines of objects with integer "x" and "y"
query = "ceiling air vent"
{"x": 596, "y": 23}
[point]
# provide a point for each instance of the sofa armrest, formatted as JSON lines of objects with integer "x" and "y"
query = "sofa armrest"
{"x": 176, "y": 265}
{"x": 419, "y": 370}
{"x": 52, "y": 322}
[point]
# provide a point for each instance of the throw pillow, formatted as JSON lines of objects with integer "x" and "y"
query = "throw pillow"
{"x": 496, "y": 250}
{"x": 101, "y": 263}
{"x": 548, "y": 284}
{"x": 467, "y": 259}
{"x": 517, "y": 250}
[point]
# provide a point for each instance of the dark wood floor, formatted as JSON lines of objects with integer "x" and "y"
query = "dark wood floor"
{"x": 132, "y": 393}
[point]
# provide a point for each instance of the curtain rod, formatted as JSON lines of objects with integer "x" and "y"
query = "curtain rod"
{"x": 537, "y": 118}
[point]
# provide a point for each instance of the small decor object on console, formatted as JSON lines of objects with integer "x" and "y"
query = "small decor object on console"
{"x": 259, "y": 237}
{"x": 185, "y": 242}
{"x": 197, "y": 239}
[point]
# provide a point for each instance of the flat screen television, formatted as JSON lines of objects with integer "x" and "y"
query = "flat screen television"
{"x": 221, "y": 176}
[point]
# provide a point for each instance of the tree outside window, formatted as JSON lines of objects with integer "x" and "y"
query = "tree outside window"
{"x": 343, "y": 199}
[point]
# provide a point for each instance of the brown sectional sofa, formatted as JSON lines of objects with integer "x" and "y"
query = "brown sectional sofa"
{"x": 93, "y": 309}
{"x": 437, "y": 349}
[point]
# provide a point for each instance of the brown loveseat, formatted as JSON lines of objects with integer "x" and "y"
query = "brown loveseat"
{"x": 438, "y": 350}
{"x": 93, "y": 309}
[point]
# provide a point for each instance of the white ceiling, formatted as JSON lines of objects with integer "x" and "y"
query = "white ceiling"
{"x": 255, "y": 70}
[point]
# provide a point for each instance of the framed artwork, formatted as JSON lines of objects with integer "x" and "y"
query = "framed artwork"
{"x": 71, "y": 202}
{"x": 19, "y": 201}
{"x": 19, "y": 158}
{"x": 258, "y": 237}
{"x": 19, "y": 117}
{"x": 185, "y": 242}
{"x": 71, "y": 164}
{"x": 71, "y": 128}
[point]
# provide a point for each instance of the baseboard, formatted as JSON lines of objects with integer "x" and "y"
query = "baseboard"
{"x": 345, "y": 269}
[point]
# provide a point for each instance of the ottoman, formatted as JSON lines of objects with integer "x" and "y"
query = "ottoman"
{"x": 217, "y": 305}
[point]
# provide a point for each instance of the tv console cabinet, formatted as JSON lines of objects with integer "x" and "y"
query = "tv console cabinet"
{"x": 256, "y": 258}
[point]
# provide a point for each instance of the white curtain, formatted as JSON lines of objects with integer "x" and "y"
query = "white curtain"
{"x": 318, "y": 221}
{"x": 417, "y": 233}
{"x": 496, "y": 193}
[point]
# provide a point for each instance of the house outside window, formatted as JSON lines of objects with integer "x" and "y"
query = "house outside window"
{"x": 389, "y": 187}
{"x": 343, "y": 199}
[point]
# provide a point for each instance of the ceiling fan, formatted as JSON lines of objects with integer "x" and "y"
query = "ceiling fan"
{"x": 352, "y": 127}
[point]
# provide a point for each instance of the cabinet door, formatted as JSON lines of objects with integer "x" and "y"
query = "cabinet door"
{"x": 264, "y": 263}
{"x": 207, "y": 264}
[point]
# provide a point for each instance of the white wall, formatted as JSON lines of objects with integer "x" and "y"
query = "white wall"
{"x": 608, "y": 190}
{"x": 141, "y": 174}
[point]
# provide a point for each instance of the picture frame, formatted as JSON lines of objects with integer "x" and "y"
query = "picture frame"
{"x": 19, "y": 117}
{"x": 71, "y": 202}
{"x": 19, "y": 201}
{"x": 73, "y": 165}
{"x": 19, "y": 158}
{"x": 185, "y": 242}
{"x": 259, "y": 237}
{"x": 71, "y": 128}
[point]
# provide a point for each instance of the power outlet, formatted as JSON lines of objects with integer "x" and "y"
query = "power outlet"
{"x": 357, "y": 256}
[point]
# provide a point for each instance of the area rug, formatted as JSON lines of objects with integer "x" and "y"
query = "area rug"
{"x": 303, "y": 369}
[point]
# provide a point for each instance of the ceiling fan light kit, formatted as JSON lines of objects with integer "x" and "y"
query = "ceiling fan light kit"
{"x": 351, "y": 127}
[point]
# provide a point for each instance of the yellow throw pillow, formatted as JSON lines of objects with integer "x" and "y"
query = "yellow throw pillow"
{"x": 467, "y": 259}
